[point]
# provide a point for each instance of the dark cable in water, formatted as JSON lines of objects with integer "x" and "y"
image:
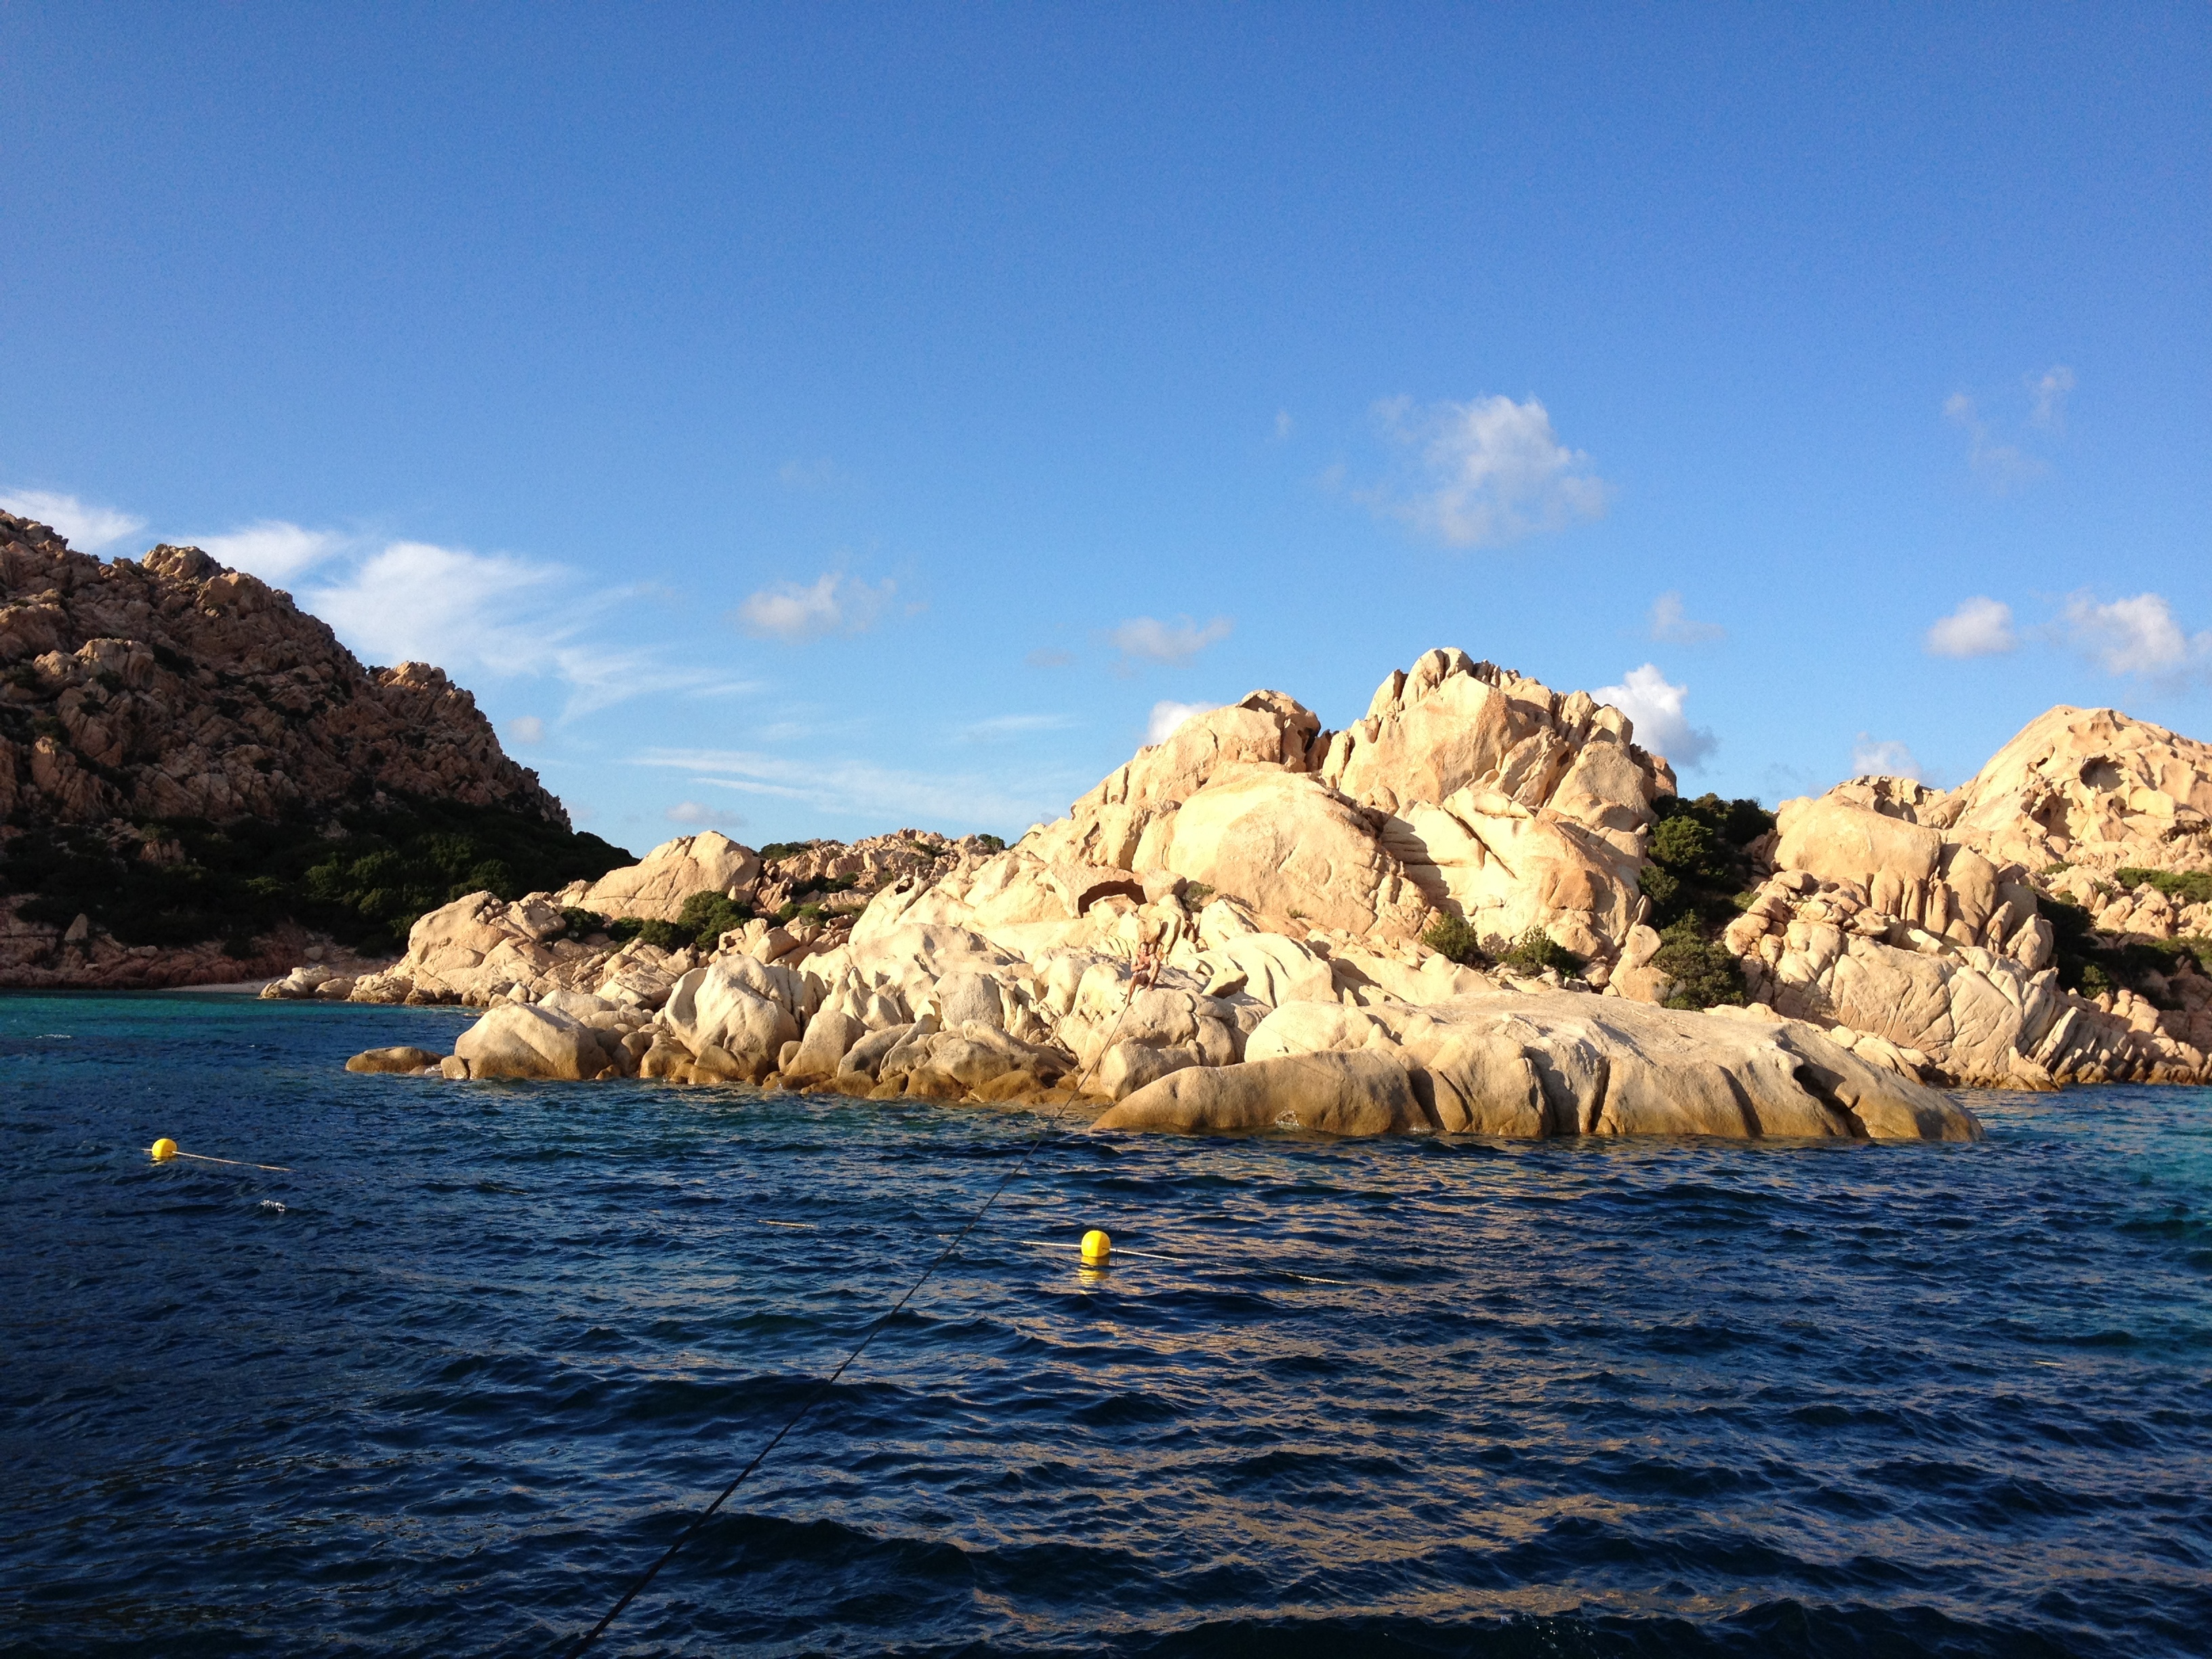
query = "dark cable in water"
{"x": 862, "y": 1347}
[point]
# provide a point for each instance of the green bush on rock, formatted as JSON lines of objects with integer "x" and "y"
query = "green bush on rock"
{"x": 1536, "y": 950}
{"x": 361, "y": 875}
{"x": 1704, "y": 974}
{"x": 1454, "y": 939}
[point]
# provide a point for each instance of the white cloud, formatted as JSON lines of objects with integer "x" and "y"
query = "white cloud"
{"x": 1980, "y": 627}
{"x": 1284, "y": 425}
{"x": 1490, "y": 472}
{"x": 1888, "y": 759}
{"x": 1167, "y": 716}
{"x": 860, "y": 790}
{"x": 526, "y": 728}
{"x": 1046, "y": 656}
{"x": 697, "y": 813}
{"x": 2047, "y": 393}
{"x": 1667, "y": 623}
{"x": 493, "y": 614}
{"x": 834, "y": 604}
{"x": 1655, "y": 710}
{"x": 271, "y": 549}
{"x": 85, "y": 525}
{"x": 1172, "y": 642}
{"x": 2135, "y": 636}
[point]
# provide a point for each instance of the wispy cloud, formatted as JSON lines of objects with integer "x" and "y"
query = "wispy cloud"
{"x": 1168, "y": 717}
{"x": 1284, "y": 425}
{"x": 1654, "y": 707}
{"x": 85, "y": 525}
{"x": 2136, "y": 635}
{"x": 2047, "y": 397}
{"x": 1486, "y": 472}
{"x": 272, "y": 549}
{"x": 2006, "y": 466}
{"x": 1885, "y": 759}
{"x": 1980, "y": 627}
{"x": 526, "y": 728}
{"x": 489, "y": 613}
{"x": 1046, "y": 656}
{"x": 1167, "y": 642}
{"x": 819, "y": 474}
{"x": 1668, "y": 623}
{"x": 861, "y": 790}
{"x": 833, "y": 604}
{"x": 704, "y": 816}
{"x": 999, "y": 727}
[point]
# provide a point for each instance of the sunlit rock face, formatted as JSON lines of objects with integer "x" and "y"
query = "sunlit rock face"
{"x": 1916, "y": 919}
{"x": 1279, "y": 877}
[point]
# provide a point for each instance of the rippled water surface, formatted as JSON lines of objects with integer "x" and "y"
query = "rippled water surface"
{"x": 449, "y": 1382}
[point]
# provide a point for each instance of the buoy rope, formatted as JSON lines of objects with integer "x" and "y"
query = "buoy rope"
{"x": 237, "y": 1163}
{"x": 860, "y": 1348}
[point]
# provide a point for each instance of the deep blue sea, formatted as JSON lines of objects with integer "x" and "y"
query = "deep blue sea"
{"x": 446, "y": 1385}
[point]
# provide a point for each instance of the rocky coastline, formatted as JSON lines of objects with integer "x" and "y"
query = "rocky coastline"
{"x": 1438, "y": 919}
{"x": 199, "y": 783}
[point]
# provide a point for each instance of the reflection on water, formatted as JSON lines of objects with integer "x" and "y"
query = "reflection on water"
{"x": 442, "y": 1387}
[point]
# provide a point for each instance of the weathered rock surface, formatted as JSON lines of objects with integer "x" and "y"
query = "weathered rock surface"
{"x": 170, "y": 687}
{"x": 1911, "y": 918}
{"x": 1284, "y": 875}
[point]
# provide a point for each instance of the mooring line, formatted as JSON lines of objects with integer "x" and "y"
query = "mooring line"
{"x": 862, "y": 1347}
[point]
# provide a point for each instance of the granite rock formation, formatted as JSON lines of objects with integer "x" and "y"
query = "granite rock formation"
{"x": 170, "y": 688}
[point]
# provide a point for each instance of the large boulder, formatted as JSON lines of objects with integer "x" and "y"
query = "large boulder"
{"x": 1838, "y": 839}
{"x": 515, "y": 1040}
{"x": 1361, "y": 1094}
{"x": 1291, "y": 848}
{"x": 721, "y": 1014}
{"x": 655, "y": 888}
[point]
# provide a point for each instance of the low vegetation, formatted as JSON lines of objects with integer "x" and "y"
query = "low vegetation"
{"x": 1698, "y": 881}
{"x": 1454, "y": 938}
{"x": 1704, "y": 971}
{"x": 362, "y": 876}
{"x": 2183, "y": 887}
{"x": 1536, "y": 950}
{"x": 2096, "y": 965}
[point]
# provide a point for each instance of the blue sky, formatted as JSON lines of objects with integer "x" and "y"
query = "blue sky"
{"x": 817, "y": 421}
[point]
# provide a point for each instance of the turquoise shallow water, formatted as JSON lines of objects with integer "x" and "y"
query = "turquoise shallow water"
{"x": 445, "y": 1386}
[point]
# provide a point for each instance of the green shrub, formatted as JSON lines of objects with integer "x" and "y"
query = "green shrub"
{"x": 1536, "y": 950}
{"x": 996, "y": 843}
{"x": 2186, "y": 887}
{"x": 1705, "y": 972}
{"x": 1454, "y": 939}
{"x": 364, "y": 884}
{"x": 782, "y": 849}
{"x": 582, "y": 924}
{"x": 707, "y": 915}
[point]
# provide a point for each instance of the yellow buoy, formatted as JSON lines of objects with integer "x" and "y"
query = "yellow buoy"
{"x": 1097, "y": 1248}
{"x": 163, "y": 1150}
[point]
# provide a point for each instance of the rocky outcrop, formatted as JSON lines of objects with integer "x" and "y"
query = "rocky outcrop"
{"x": 655, "y": 888}
{"x": 1920, "y": 922}
{"x": 170, "y": 688}
{"x": 173, "y": 687}
{"x": 1283, "y": 877}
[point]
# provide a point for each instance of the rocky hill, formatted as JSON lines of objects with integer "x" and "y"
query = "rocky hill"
{"x": 195, "y": 775}
{"x": 1483, "y": 907}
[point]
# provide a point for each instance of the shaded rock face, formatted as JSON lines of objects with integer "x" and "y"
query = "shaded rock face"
{"x": 173, "y": 687}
